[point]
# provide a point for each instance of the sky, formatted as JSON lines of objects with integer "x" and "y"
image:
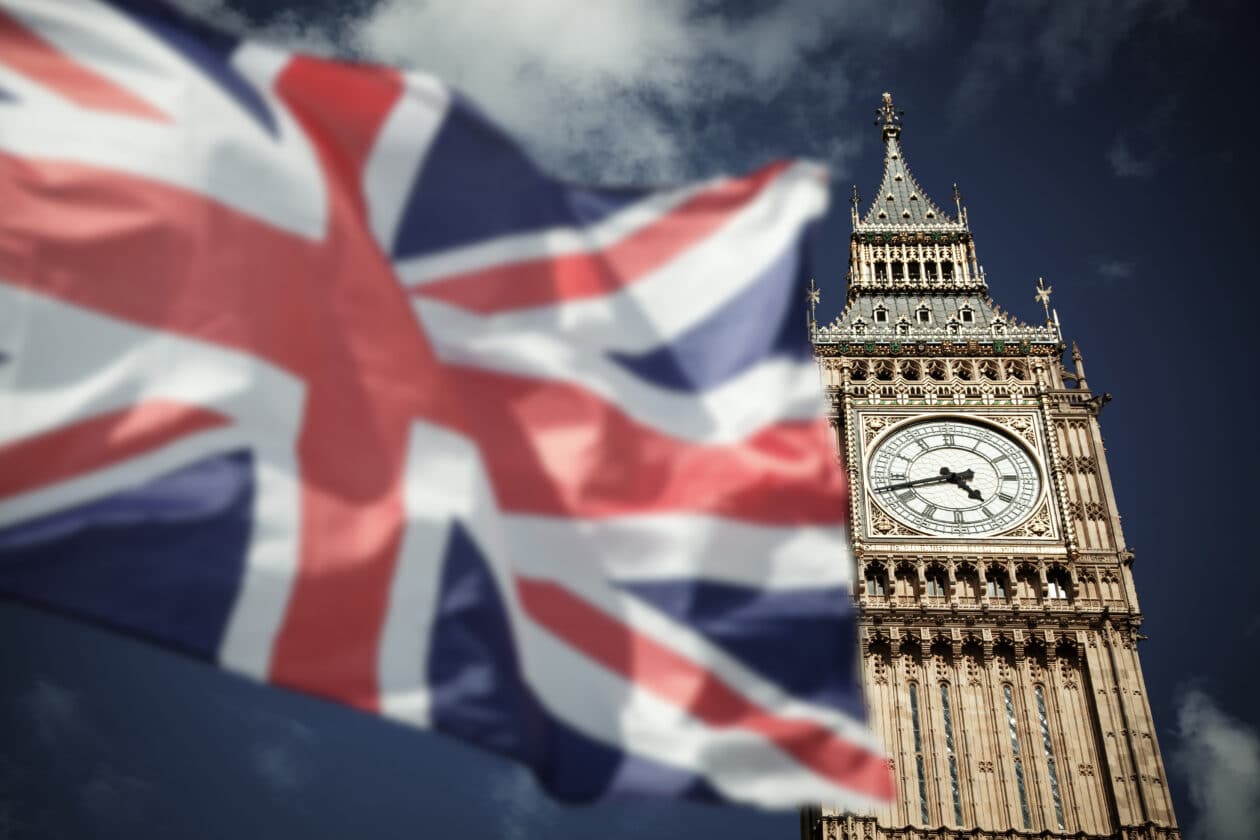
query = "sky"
{"x": 1106, "y": 147}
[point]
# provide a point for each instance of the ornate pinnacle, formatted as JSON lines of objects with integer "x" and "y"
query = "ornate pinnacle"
{"x": 813, "y": 295}
{"x": 1043, "y": 297}
{"x": 888, "y": 118}
{"x": 855, "y": 199}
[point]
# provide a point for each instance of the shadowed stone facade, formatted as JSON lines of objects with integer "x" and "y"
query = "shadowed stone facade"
{"x": 999, "y": 619}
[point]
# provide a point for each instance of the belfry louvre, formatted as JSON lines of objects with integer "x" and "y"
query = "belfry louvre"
{"x": 998, "y": 614}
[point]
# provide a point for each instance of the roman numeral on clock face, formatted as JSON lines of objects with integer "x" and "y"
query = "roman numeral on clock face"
{"x": 958, "y": 517}
{"x": 1006, "y": 498}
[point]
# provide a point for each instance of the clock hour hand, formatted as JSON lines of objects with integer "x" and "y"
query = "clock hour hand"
{"x": 960, "y": 481}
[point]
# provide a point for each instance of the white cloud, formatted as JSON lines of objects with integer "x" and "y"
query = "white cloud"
{"x": 523, "y": 810}
{"x": 627, "y": 90}
{"x": 1125, "y": 164}
{"x": 1115, "y": 269}
{"x": 282, "y": 755}
{"x": 114, "y": 797}
{"x": 1219, "y": 759}
{"x": 280, "y": 767}
{"x": 1067, "y": 45}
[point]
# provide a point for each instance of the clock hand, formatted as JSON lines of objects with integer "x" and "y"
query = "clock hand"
{"x": 945, "y": 476}
{"x": 959, "y": 480}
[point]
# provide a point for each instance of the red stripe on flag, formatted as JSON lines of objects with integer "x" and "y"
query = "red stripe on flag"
{"x": 374, "y": 374}
{"x": 342, "y": 110}
{"x": 549, "y": 280}
{"x": 557, "y": 449}
{"x": 670, "y": 676}
{"x": 70, "y": 451}
{"x": 32, "y": 56}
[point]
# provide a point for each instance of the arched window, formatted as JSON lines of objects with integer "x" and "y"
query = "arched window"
{"x": 968, "y": 583}
{"x": 1015, "y": 754}
{"x": 929, "y": 268}
{"x": 876, "y": 584}
{"x": 920, "y": 769}
{"x": 936, "y": 583}
{"x": 907, "y": 581}
{"x": 913, "y": 267}
{"x": 898, "y": 270}
{"x": 903, "y": 327}
{"x": 997, "y": 585}
{"x": 950, "y": 756}
{"x": 923, "y": 315}
{"x": 947, "y": 271}
{"x": 1028, "y": 584}
{"x": 1051, "y": 769}
{"x": 881, "y": 314}
{"x": 1057, "y": 584}
{"x": 881, "y": 270}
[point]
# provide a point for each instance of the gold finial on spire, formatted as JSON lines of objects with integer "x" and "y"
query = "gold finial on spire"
{"x": 888, "y": 117}
{"x": 1043, "y": 297}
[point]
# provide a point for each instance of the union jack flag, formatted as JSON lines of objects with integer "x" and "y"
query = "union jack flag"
{"x": 309, "y": 372}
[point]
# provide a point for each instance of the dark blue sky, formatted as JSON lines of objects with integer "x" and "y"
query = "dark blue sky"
{"x": 1108, "y": 150}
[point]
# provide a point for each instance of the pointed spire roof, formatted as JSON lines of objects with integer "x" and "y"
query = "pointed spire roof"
{"x": 901, "y": 204}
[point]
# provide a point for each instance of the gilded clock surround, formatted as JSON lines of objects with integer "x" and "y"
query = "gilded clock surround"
{"x": 875, "y": 522}
{"x": 1001, "y": 671}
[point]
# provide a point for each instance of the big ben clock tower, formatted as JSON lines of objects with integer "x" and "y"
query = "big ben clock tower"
{"x": 998, "y": 613}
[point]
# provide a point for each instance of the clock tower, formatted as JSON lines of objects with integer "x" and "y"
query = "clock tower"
{"x": 999, "y": 619}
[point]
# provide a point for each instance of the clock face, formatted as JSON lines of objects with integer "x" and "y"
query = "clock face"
{"x": 953, "y": 478}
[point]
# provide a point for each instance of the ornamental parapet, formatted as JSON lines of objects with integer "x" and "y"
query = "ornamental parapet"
{"x": 909, "y": 340}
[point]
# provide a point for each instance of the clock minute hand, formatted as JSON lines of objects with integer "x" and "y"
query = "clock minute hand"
{"x": 946, "y": 476}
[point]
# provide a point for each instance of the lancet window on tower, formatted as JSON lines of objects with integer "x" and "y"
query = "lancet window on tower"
{"x": 950, "y": 756}
{"x": 920, "y": 769}
{"x": 1017, "y": 758}
{"x": 1051, "y": 769}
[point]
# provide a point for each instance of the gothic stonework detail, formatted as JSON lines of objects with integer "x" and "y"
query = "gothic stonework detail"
{"x": 1016, "y": 637}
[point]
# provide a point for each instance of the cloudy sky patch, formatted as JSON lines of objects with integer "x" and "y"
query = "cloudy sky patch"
{"x": 1218, "y": 758}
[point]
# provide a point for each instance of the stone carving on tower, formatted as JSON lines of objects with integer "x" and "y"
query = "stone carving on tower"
{"x": 998, "y": 613}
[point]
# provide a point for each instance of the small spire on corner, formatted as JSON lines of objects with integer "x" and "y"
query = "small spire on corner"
{"x": 813, "y": 295}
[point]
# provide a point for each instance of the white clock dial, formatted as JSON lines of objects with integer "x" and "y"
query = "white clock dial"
{"x": 953, "y": 478}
